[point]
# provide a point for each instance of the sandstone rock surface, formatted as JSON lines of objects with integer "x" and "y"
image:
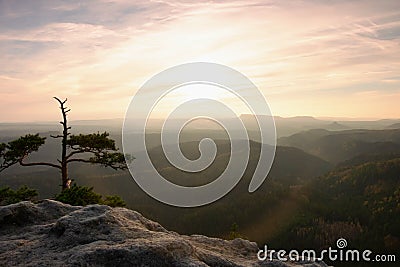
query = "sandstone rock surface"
{"x": 54, "y": 234}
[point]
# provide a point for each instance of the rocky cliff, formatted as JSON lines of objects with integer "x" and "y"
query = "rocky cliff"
{"x": 54, "y": 234}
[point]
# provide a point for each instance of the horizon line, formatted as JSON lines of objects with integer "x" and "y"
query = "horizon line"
{"x": 323, "y": 118}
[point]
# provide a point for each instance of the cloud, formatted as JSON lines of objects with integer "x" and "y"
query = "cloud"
{"x": 100, "y": 52}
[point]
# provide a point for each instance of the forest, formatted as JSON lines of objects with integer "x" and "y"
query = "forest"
{"x": 323, "y": 185}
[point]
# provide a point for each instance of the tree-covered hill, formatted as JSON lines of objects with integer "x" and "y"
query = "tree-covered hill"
{"x": 291, "y": 167}
{"x": 359, "y": 203}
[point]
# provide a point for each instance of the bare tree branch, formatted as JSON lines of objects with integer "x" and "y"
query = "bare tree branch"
{"x": 39, "y": 164}
{"x": 59, "y": 100}
{"x": 75, "y": 152}
{"x": 80, "y": 160}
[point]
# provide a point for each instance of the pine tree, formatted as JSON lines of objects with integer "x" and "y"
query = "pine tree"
{"x": 99, "y": 145}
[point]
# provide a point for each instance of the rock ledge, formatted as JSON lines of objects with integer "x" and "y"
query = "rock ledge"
{"x": 54, "y": 234}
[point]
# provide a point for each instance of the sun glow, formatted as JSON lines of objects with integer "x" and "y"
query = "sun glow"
{"x": 182, "y": 94}
{"x": 307, "y": 59}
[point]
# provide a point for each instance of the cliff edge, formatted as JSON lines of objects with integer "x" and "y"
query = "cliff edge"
{"x": 54, "y": 234}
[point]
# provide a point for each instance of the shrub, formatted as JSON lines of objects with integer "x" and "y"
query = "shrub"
{"x": 10, "y": 196}
{"x": 83, "y": 195}
{"x": 79, "y": 196}
{"x": 114, "y": 201}
{"x": 234, "y": 232}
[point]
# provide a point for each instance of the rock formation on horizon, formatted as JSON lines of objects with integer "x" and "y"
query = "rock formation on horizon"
{"x": 54, "y": 234}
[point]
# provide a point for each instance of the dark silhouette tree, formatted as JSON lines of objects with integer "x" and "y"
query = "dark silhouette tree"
{"x": 74, "y": 148}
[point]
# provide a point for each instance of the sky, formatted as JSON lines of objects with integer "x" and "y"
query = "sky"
{"x": 317, "y": 58}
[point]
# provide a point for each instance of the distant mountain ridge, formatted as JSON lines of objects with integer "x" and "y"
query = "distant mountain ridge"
{"x": 338, "y": 146}
{"x": 394, "y": 126}
{"x": 285, "y": 126}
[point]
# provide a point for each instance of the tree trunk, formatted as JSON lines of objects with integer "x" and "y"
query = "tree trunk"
{"x": 64, "y": 170}
{"x": 66, "y": 182}
{"x": 64, "y": 174}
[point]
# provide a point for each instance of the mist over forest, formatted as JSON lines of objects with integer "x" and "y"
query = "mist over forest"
{"x": 336, "y": 177}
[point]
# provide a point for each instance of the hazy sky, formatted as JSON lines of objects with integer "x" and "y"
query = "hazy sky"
{"x": 319, "y": 58}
